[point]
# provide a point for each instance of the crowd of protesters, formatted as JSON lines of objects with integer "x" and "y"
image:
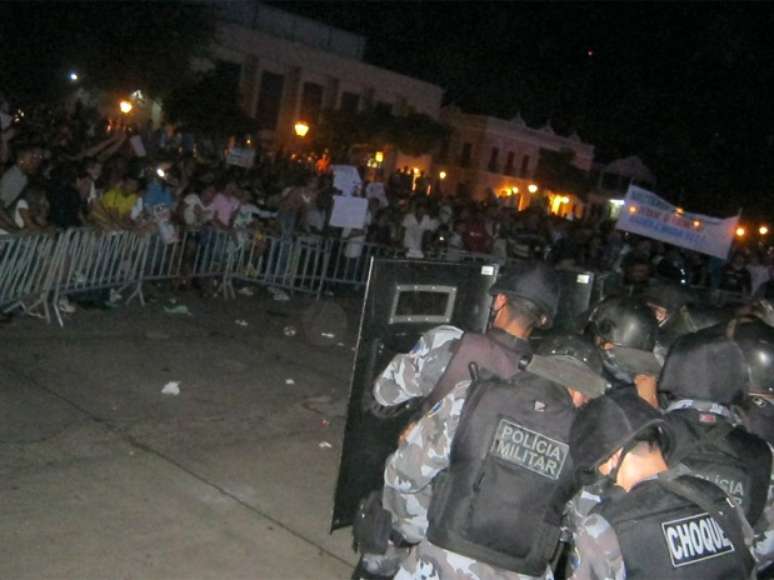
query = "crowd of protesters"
{"x": 67, "y": 169}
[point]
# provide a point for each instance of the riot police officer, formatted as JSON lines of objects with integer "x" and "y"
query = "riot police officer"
{"x": 480, "y": 482}
{"x": 624, "y": 328}
{"x": 652, "y": 522}
{"x": 756, "y": 339}
{"x": 525, "y": 298}
{"x": 705, "y": 374}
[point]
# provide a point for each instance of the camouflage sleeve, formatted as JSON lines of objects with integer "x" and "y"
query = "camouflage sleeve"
{"x": 416, "y": 373}
{"x": 596, "y": 553}
{"x": 763, "y": 544}
{"x": 423, "y": 454}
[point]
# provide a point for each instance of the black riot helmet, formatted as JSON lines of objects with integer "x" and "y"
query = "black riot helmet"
{"x": 535, "y": 282}
{"x": 572, "y": 346}
{"x": 756, "y": 340}
{"x": 616, "y": 421}
{"x": 670, "y": 297}
{"x": 707, "y": 365}
{"x": 630, "y": 326}
{"x": 581, "y": 367}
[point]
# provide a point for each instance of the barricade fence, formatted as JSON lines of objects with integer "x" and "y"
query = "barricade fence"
{"x": 38, "y": 270}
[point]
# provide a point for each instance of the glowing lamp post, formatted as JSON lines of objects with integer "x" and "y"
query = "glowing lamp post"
{"x": 740, "y": 232}
{"x": 301, "y": 128}
{"x": 125, "y": 107}
{"x": 532, "y": 188}
{"x": 763, "y": 230}
{"x": 442, "y": 175}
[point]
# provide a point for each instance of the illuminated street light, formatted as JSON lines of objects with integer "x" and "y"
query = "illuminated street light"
{"x": 379, "y": 156}
{"x": 125, "y": 106}
{"x": 763, "y": 230}
{"x": 515, "y": 190}
{"x": 532, "y": 188}
{"x": 442, "y": 175}
{"x": 73, "y": 76}
{"x": 740, "y": 232}
{"x": 301, "y": 128}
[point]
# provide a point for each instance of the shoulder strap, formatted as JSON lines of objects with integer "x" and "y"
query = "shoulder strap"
{"x": 443, "y": 387}
{"x": 724, "y": 517}
{"x": 711, "y": 437}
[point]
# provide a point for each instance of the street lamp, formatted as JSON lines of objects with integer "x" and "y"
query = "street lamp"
{"x": 301, "y": 128}
{"x": 442, "y": 175}
{"x": 125, "y": 106}
{"x": 740, "y": 232}
{"x": 532, "y": 188}
{"x": 763, "y": 230}
{"x": 73, "y": 76}
{"x": 379, "y": 156}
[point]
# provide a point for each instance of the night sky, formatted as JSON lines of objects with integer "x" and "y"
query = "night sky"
{"x": 685, "y": 86}
{"x": 688, "y": 87}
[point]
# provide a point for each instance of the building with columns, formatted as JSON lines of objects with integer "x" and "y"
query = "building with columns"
{"x": 290, "y": 68}
{"x": 490, "y": 154}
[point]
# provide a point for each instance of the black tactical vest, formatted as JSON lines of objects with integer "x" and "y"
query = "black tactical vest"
{"x": 664, "y": 536}
{"x": 739, "y": 463}
{"x": 497, "y": 351}
{"x": 509, "y": 477}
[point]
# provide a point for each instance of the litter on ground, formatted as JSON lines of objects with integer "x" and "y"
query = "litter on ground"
{"x": 324, "y": 445}
{"x": 180, "y": 310}
{"x": 327, "y": 335}
{"x": 171, "y": 388}
{"x": 290, "y": 382}
{"x": 246, "y": 291}
{"x": 240, "y": 322}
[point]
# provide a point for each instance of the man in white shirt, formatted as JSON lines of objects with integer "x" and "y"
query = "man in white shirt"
{"x": 415, "y": 225}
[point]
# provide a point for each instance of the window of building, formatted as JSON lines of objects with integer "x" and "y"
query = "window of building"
{"x": 509, "y": 163}
{"x": 350, "y": 102}
{"x": 467, "y": 152}
{"x": 311, "y": 102}
{"x": 492, "y": 166}
{"x": 269, "y": 100}
{"x": 443, "y": 153}
{"x": 524, "y": 166}
{"x": 383, "y": 108}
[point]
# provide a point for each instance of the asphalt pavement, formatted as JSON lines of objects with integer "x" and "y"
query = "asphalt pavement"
{"x": 102, "y": 476}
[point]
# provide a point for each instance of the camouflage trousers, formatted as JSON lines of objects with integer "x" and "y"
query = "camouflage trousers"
{"x": 429, "y": 562}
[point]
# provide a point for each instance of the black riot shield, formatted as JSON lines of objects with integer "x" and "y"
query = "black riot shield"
{"x": 404, "y": 298}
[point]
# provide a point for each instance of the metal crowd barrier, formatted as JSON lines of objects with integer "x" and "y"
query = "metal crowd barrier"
{"x": 38, "y": 270}
{"x": 27, "y": 265}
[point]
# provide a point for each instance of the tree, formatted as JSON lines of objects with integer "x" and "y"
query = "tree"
{"x": 414, "y": 134}
{"x": 208, "y": 103}
{"x": 556, "y": 171}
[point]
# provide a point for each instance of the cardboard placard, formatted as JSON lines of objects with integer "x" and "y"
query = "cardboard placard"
{"x": 349, "y": 212}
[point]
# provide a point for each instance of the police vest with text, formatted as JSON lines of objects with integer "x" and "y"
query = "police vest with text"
{"x": 664, "y": 536}
{"x": 738, "y": 462}
{"x": 510, "y": 475}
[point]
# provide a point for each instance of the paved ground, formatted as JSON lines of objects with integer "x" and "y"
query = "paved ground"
{"x": 103, "y": 477}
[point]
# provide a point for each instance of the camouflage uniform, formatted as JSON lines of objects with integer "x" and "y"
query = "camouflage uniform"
{"x": 408, "y": 478}
{"x": 763, "y": 545}
{"x": 596, "y": 552}
{"x": 416, "y": 373}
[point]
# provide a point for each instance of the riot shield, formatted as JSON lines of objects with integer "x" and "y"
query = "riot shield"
{"x": 580, "y": 291}
{"x": 404, "y": 298}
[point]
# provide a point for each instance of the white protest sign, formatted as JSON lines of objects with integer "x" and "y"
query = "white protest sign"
{"x": 137, "y": 146}
{"x": 349, "y": 212}
{"x": 241, "y": 157}
{"x": 646, "y": 214}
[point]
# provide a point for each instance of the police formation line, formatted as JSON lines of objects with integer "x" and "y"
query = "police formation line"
{"x": 632, "y": 448}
